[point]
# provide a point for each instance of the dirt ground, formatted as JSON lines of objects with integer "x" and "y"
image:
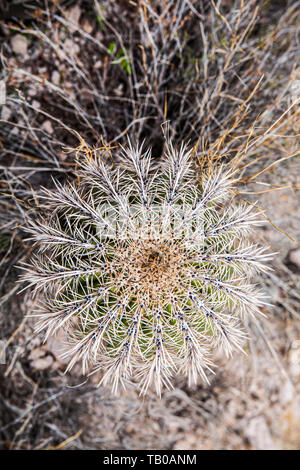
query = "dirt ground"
{"x": 253, "y": 400}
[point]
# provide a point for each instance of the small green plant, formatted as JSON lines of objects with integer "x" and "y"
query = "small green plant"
{"x": 145, "y": 265}
{"x": 121, "y": 57}
{"x": 100, "y": 17}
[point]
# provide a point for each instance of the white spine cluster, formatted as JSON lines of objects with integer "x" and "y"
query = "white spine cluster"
{"x": 146, "y": 268}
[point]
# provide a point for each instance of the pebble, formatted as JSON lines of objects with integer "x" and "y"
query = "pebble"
{"x": 36, "y": 104}
{"x": 32, "y": 91}
{"x": 42, "y": 363}
{"x": 97, "y": 64}
{"x": 258, "y": 434}
{"x": 73, "y": 15}
{"x": 47, "y": 126}
{"x": 70, "y": 47}
{"x": 19, "y": 45}
{"x": 56, "y": 346}
{"x": 5, "y": 113}
{"x": 55, "y": 77}
{"x": 294, "y": 257}
{"x": 2, "y": 92}
{"x": 36, "y": 353}
{"x": 287, "y": 393}
{"x": 87, "y": 27}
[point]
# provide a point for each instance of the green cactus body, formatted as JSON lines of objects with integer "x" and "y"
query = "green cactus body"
{"x": 145, "y": 266}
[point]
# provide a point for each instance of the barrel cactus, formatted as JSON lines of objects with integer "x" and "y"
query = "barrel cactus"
{"x": 145, "y": 264}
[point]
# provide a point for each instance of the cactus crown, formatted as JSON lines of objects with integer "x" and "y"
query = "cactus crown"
{"x": 145, "y": 266}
